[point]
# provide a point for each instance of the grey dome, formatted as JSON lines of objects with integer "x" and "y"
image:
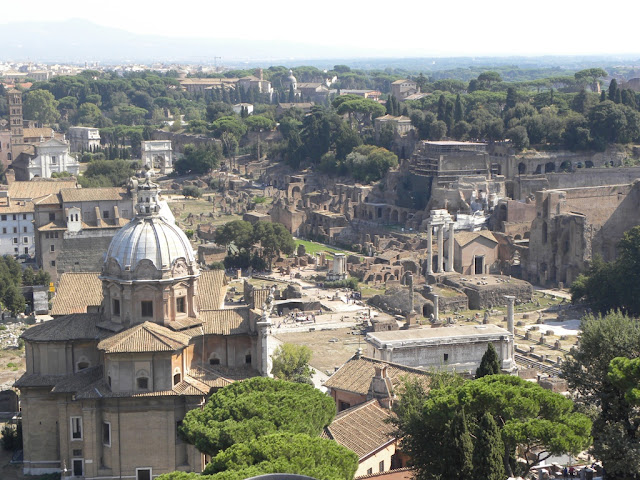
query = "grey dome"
{"x": 149, "y": 238}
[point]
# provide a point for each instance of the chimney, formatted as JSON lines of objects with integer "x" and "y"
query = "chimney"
{"x": 381, "y": 387}
{"x": 116, "y": 213}
{"x": 99, "y": 221}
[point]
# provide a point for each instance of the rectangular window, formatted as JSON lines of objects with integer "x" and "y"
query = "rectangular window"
{"x": 381, "y": 466}
{"x": 53, "y": 263}
{"x": 26, "y": 250}
{"x": 78, "y": 467}
{"x": 76, "y": 428}
{"x": 52, "y": 217}
{"x": 116, "y": 306}
{"x": 180, "y": 305}
{"x": 52, "y": 248}
{"x": 369, "y": 471}
{"x": 147, "y": 309}
{"x": 3, "y": 218}
{"x": 54, "y": 160}
{"x": 446, "y": 357}
{"x": 15, "y": 229}
{"x": 24, "y": 216}
{"x": 25, "y": 240}
{"x": 15, "y": 239}
{"x": 24, "y": 229}
{"x": 4, "y": 229}
{"x": 143, "y": 474}
{"x": 55, "y": 235}
{"x": 106, "y": 434}
{"x": 143, "y": 383}
{"x": 15, "y": 217}
{"x": 105, "y": 214}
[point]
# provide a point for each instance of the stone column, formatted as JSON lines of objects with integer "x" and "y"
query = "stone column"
{"x": 429, "y": 249}
{"x": 440, "y": 247}
{"x": 510, "y": 300}
{"x": 450, "y": 252}
{"x": 435, "y": 308}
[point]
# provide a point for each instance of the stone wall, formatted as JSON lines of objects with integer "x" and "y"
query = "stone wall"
{"x": 83, "y": 253}
{"x": 485, "y": 296}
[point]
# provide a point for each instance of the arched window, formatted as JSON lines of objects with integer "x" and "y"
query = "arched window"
{"x": 214, "y": 360}
{"x": 82, "y": 363}
{"x": 142, "y": 380}
{"x": 177, "y": 377}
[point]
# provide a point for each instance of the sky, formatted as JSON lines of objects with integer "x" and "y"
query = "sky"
{"x": 402, "y": 28}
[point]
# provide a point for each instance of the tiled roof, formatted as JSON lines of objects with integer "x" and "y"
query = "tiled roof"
{"x": 93, "y": 194}
{"x": 211, "y": 290}
{"x": 232, "y": 321}
{"x": 218, "y": 376}
{"x": 356, "y": 374}
{"x": 49, "y": 199}
{"x": 15, "y": 207}
{"x": 362, "y": 428}
{"x": 45, "y": 132}
{"x": 77, "y": 326}
{"x": 145, "y": 337}
{"x": 35, "y": 380}
{"x": 464, "y": 238}
{"x": 78, "y": 381}
{"x": 405, "y": 473}
{"x": 40, "y": 188}
{"x": 77, "y": 291}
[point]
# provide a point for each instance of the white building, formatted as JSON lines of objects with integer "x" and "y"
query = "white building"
{"x": 45, "y": 158}
{"x": 238, "y": 108}
{"x": 16, "y": 226}
{"x": 158, "y": 155}
{"x": 457, "y": 348}
{"x": 83, "y": 139}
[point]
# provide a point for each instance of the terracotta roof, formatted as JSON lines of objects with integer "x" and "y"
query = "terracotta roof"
{"x": 220, "y": 376}
{"x": 362, "y": 428}
{"x": 51, "y": 226}
{"x": 78, "y": 381}
{"x": 405, "y": 473}
{"x": 49, "y": 199}
{"x": 231, "y": 321}
{"x": 464, "y": 238}
{"x": 356, "y": 374}
{"x": 15, "y": 207}
{"x": 211, "y": 289}
{"x": 45, "y": 132}
{"x": 77, "y": 291}
{"x": 145, "y": 337}
{"x": 93, "y": 194}
{"x": 40, "y": 188}
{"x": 77, "y": 326}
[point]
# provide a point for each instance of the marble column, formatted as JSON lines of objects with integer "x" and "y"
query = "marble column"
{"x": 436, "y": 314}
{"x": 451, "y": 248}
{"x": 440, "y": 247}
{"x": 510, "y": 301}
{"x": 429, "y": 249}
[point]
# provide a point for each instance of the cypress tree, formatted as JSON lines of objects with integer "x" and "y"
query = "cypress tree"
{"x": 442, "y": 107}
{"x": 488, "y": 453}
{"x": 618, "y": 96}
{"x": 603, "y": 95}
{"x": 613, "y": 90}
{"x": 458, "y": 112}
{"x": 462, "y": 452}
{"x": 490, "y": 363}
{"x": 511, "y": 98}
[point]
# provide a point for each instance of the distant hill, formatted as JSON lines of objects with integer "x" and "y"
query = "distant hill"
{"x": 79, "y": 41}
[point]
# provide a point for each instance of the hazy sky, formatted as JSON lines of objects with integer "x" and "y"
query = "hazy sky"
{"x": 401, "y": 28}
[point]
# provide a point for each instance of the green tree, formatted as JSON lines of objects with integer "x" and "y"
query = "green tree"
{"x": 108, "y": 173}
{"x": 247, "y": 410}
{"x": 41, "y": 106}
{"x": 238, "y": 232}
{"x": 88, "y": 114}
{"x": 615, "y": 285}
{"x": 198, "y": 159}
{"x": 586, "y": 369}
{"x": 291, "y": 362}
{"x": 519, "y": 137}
{"x": 461, "y": 454}
{"x": 369, "y": 163}
{"x": 490, "y": 363}
{"x": 13, "y": 300}
{"x": 536, "y": 421}
{"x": 488, "y": 453}
{"x": 613, "y": 90}
{"x": 274, "y": 239}
{"x": 191, "y": 191}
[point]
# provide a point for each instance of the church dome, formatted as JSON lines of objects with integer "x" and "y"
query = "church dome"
{"x": 150, "y": 238}
{"x": 149, "y": 242}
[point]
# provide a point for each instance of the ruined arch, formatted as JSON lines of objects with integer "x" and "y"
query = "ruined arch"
{"x": 565, "y": 166}
{"x": 588, "y": 164}
{"x": 549, "y": 167}
{"x": 522, "y": 168}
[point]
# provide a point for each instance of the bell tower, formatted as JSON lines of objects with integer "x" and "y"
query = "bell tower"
{"x": 14, "y": 98}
